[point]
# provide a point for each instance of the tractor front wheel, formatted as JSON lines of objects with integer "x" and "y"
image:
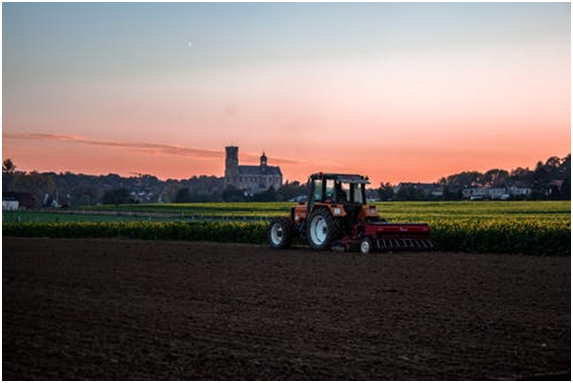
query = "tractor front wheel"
{"x": 280, "y": 233}
{"x": 322, "y": 229}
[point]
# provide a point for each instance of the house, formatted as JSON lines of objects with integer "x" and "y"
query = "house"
{"x": 10, "y": 205}
{"x": 498, "y": 193}
{"x": 520, "y": 189}
{"x": 477, "y": 193}
{"x": 16, "y": 200}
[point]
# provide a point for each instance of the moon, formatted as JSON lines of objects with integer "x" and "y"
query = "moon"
{"x": 189, "y": 43}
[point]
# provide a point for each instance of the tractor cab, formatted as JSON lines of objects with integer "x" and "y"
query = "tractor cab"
{"x": 336, "y": 188}
{"x": 343, "y": 194}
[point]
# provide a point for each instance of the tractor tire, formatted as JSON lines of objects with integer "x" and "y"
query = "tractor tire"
{"x": 322, "y": 229}
{"x": 280, "y": 233}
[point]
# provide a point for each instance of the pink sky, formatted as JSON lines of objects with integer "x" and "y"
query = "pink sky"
{"x": 411, "y": 110}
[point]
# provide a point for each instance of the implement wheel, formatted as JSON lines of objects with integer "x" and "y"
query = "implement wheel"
{"x": 365, "y": 246}
{"x": 280, "y": 233}
{"x": 322, "y": 229}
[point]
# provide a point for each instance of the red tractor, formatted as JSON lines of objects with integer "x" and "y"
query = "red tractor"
{"x": 336, "y": 215}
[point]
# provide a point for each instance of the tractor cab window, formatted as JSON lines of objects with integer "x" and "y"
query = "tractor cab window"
{"x": 317, "y": 193}
{"x": 357, "y": 196}
{"x": 335, "y": 191}
{"x": 341, "y": 192}
{"x": 329, "y": 191}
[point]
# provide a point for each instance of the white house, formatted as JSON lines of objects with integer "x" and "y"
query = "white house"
{"x": 519, "y": 191}
{"x": 8, "y": 205}
{"x": 475, "y": 193}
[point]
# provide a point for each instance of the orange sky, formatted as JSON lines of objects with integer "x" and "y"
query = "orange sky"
{"x": 412, "y": 92}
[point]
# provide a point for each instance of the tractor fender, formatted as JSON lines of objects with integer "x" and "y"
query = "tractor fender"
{"x": 368, "y": 212}
{"x": 336, "y": 210}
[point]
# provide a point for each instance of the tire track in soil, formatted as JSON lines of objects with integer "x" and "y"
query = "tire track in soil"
{"x": 112, "y": 309}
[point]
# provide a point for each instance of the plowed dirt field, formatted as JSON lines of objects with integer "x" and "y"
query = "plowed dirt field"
{"x": 119, "y": 309}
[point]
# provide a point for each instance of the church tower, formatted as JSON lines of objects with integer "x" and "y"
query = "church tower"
{"x": 263, "y": 161}
{"x": 232, "y": 166}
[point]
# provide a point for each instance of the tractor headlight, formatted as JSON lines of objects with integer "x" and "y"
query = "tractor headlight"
{"x": 336, "y": 211}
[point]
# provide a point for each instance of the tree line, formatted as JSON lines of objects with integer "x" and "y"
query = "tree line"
{"x": 548, "y": 180}
{"x": 67, "y": 189}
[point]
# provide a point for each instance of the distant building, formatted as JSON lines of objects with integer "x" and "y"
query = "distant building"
{"x": 16, "y": 201}
{"x": 250, "y": 178}
{"x": 520, "y": 191}
{"x": 479, "y": 193}
{"x": 9, "y": 205}
{"x": 498, "y": 193}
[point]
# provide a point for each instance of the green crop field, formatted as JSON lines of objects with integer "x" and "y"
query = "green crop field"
{"x": 391, "y": 210}
{"x": 247, "y": 209}
{"x": 476, "y": 209}
{"x": 539, "y": 227}
{"x": 55, "y": 217}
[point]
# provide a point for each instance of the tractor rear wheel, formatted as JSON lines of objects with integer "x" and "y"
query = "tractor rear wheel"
{"x": 322, "y": 229}
{"x": 280, "y": 233}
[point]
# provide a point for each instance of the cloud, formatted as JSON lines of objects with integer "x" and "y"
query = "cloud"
{"x": 146, "y": 147}
{"x": 41, "y": 136}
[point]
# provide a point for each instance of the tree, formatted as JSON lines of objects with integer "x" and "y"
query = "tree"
{"x": 183, "y": 195}
{"x": 464, "y": 179}
{"x": 409, "y": 192}
{"x": 116, "y": 196}
{"x": 84, "y": 195}
{"x": 494, "y": 178}
{"x": 269, "y": 195}
{"x": 169, "y": 192}
{"x": 540, "y": 185}
{"x": 452, "y": 193}
{"x": 566, "y": 189}
{"x": 232, "y": 194}
{"x": 291, "y": 190}
{"x": 38, "y": 185}
{"x": 8, "y": 169}
{"x": 565, "y": 166}
{"x": 386, "y": 191}
{"x": 553, "y": 162}
{"x": 521, "y": 176}
{"x": 8, "y": 166}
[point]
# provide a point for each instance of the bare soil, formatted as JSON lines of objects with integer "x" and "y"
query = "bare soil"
{"x": 119, "y": 309}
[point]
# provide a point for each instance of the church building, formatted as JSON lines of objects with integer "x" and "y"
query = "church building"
{"x": 249, "y": 178}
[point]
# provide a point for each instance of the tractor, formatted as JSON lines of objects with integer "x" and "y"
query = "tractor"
{"x": 337, "y": 216}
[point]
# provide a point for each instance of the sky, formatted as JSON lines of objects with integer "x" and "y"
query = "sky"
{"x": 396, "y": 91}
